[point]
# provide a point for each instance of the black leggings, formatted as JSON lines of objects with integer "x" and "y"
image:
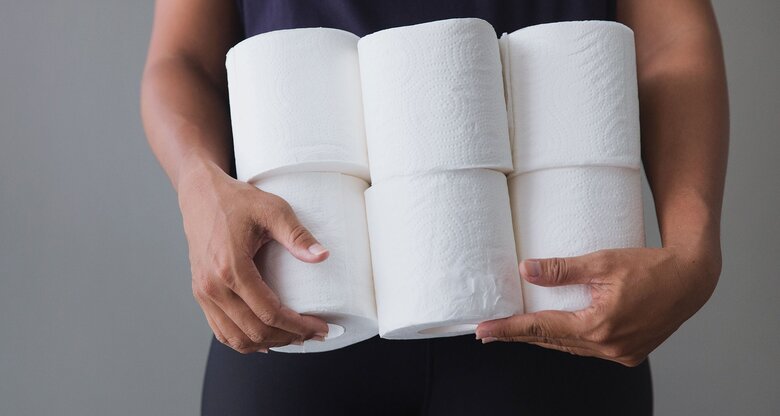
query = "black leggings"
{"x": 444, "y": 376}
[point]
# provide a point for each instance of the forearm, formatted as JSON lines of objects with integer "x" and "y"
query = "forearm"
{"x": 185, "y": 116}
{"x": 684, "y": 118}
{"x": 640, "y": 296}
{"x": 685, "y": 141}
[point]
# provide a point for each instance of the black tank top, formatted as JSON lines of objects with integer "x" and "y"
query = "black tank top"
{"x": 362, "y": 17}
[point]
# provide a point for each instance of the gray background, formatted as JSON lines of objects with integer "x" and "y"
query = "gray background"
{"x": 96, "y": 315}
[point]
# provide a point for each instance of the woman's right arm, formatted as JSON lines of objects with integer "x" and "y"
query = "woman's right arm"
{"x": 184, "y": 107}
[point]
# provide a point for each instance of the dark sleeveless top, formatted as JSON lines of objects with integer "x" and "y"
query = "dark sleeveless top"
{"x": 362, "y": 17}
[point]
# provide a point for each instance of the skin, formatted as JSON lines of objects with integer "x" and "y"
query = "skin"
{"x": 640, "y": 296}
{"x": 185, "y": 113}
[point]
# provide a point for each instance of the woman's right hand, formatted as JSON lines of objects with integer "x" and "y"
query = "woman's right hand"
{"x": 226, "y": 222}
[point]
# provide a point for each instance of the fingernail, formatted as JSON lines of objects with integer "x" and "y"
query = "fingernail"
{"x": 531, "y": 268}
{"x": 320, "y": 335}
{"x": 482, "y": 334}
{"x": 298, "y": 342}
{"x": 263, "y": 350}
{"x": 318, "y": 338}
{"x": 317, "y": 249}
{"x": 488, "y": 340}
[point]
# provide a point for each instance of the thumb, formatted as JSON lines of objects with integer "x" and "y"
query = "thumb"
{"x": 284, "y": 227}
{"x": 557, "y": 271}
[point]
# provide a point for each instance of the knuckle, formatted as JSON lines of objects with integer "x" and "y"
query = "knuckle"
{"x": 275, "y": 207}
{"x": 500, "y": 332}
{"x": 537, "y": 329}
{"x": 225, "y": 275}
{"x": 207, "y": 288}
{"x": 269, "y": 317}
{"x": 229, "y": 341}
{"x": 623, "y": 276}
{"x": 257, "y": 335}
{"x": 603, "y": 261}
{"x": 196, "y": 292}
{"x": 269, "y": 207}
{"x": 239, "y": 344}
{"x": 247, "y": 350}
{"x": 276, "y": 203}
{"x": 567, "y": 349}
{"x": 298, "y": 234}
{"x": 632, "y": 361}
{"x": 613, "y": 352}
{"x": 558, "y": 269}
{"x": 602, "y": 333}
{"x": 600, "y": 336}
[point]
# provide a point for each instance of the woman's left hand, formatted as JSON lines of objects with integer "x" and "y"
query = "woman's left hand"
{"x": 640, "y": 296}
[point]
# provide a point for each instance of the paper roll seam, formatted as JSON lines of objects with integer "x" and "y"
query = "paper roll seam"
{"x": 355, "y": 170}
{"x": 261, "y": 38}
{"x": 574, "y": 23}
{"x": 394, "y": 31}
{"x": 506, "y": 72}
{"x": 627, "y": 166}
{"x": 435, "y": 171}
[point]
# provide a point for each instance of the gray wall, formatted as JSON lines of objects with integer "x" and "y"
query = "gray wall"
{"x": 96, "y": 316}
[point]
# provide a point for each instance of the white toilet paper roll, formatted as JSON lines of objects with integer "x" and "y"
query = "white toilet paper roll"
{"x": 570, "y": 212}
{"x": 296, "y": 105}
{"x": 340, "y": 289}
{"x": 443, "y": 253}
{"x": 433, "y": 99}
{"x": 573, "y": 95}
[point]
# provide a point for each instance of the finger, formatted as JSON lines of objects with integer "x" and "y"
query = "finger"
{"x": 284, "y": 227}
{"x": 205, "y": 307}
{"x": 238, "y": 312}
{"x": 572, "y": 346}
{"x": 543, "y": 326}
{"x": 213, "y": 325}
{"x": 581, "y": 351}
{"x": 232, "y": 336}
{"x": 265, "y": 304}
{"x": 560, "y": 271}
{"x": 238, "y": 340}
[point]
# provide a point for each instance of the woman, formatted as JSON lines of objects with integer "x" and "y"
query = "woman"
{"x": 684, "y": 116}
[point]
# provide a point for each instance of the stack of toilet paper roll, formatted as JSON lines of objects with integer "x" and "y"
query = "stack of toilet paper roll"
{"x": 438, "y": 209}
{"x": 298, "y": 133}
{"x": 576, "y": 188}
{"x": 444, "y": 112}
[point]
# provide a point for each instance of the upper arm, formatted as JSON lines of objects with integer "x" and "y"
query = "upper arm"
{"x": 198, "y": 32}
{"x": 672, "y": 32}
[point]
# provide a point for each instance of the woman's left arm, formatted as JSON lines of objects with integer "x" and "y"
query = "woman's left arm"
{"x": 641, "y": 296}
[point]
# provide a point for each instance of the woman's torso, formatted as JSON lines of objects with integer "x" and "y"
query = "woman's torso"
{"x": 442, "y": 376}
{"x": 362, "y": 17}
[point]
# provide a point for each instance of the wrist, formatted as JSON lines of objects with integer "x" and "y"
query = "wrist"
{"x": 196, "y": 165}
